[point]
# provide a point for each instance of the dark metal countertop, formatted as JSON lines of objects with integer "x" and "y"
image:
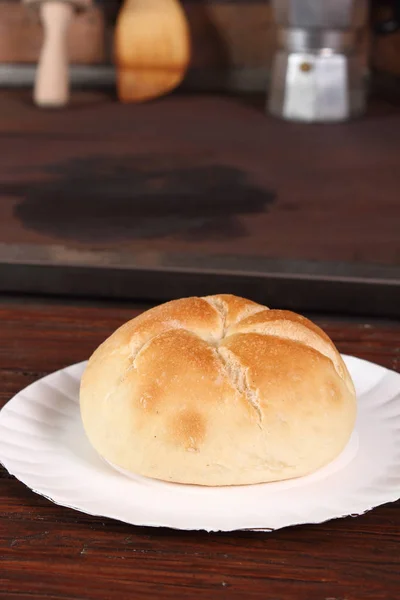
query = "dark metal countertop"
{"x": 200, "y": 194}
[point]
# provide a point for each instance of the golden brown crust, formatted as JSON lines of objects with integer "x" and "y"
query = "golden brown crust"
{"x": 218, "y": 391}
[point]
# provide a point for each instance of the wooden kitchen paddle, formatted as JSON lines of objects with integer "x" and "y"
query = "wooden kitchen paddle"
{"x": 152, "y": 48}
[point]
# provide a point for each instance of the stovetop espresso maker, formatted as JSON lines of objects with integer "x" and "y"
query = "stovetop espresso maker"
{"x": 319, "y": 68}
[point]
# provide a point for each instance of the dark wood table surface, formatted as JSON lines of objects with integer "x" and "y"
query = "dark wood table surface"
{"x": 51, "y": 552}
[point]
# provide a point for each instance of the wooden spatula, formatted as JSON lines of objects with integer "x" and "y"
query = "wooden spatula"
{"x": 152, "y": 48}
{"x": 52, "y": 78}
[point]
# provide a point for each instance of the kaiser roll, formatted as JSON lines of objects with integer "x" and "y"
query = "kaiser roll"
{"x": 218, "y": 391}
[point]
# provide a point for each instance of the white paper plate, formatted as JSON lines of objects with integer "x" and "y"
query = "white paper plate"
{"x": 43, "y": 444}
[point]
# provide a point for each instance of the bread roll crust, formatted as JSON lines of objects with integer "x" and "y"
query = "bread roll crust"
{"x": 218, "y": 391}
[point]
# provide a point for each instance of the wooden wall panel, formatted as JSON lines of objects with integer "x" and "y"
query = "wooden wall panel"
{"x": 231, "y": 34}
{"x": 21, "y": 35}
{"x": 224, "y": 34}
{"x": 386, "y": 54}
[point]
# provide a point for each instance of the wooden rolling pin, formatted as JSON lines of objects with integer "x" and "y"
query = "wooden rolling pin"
{"x": 152, "y": 48}
{"x": 52, "y": 78}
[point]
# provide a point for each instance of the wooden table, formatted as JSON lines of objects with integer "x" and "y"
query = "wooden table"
{"x": 51, "y": 552}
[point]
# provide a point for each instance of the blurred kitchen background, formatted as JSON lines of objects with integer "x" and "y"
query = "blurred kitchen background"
{"x": 196, "y": 188}
{"x": 232, "y": 43}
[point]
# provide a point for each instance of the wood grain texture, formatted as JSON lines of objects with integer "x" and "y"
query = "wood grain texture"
{"x": 47, "y": 551}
